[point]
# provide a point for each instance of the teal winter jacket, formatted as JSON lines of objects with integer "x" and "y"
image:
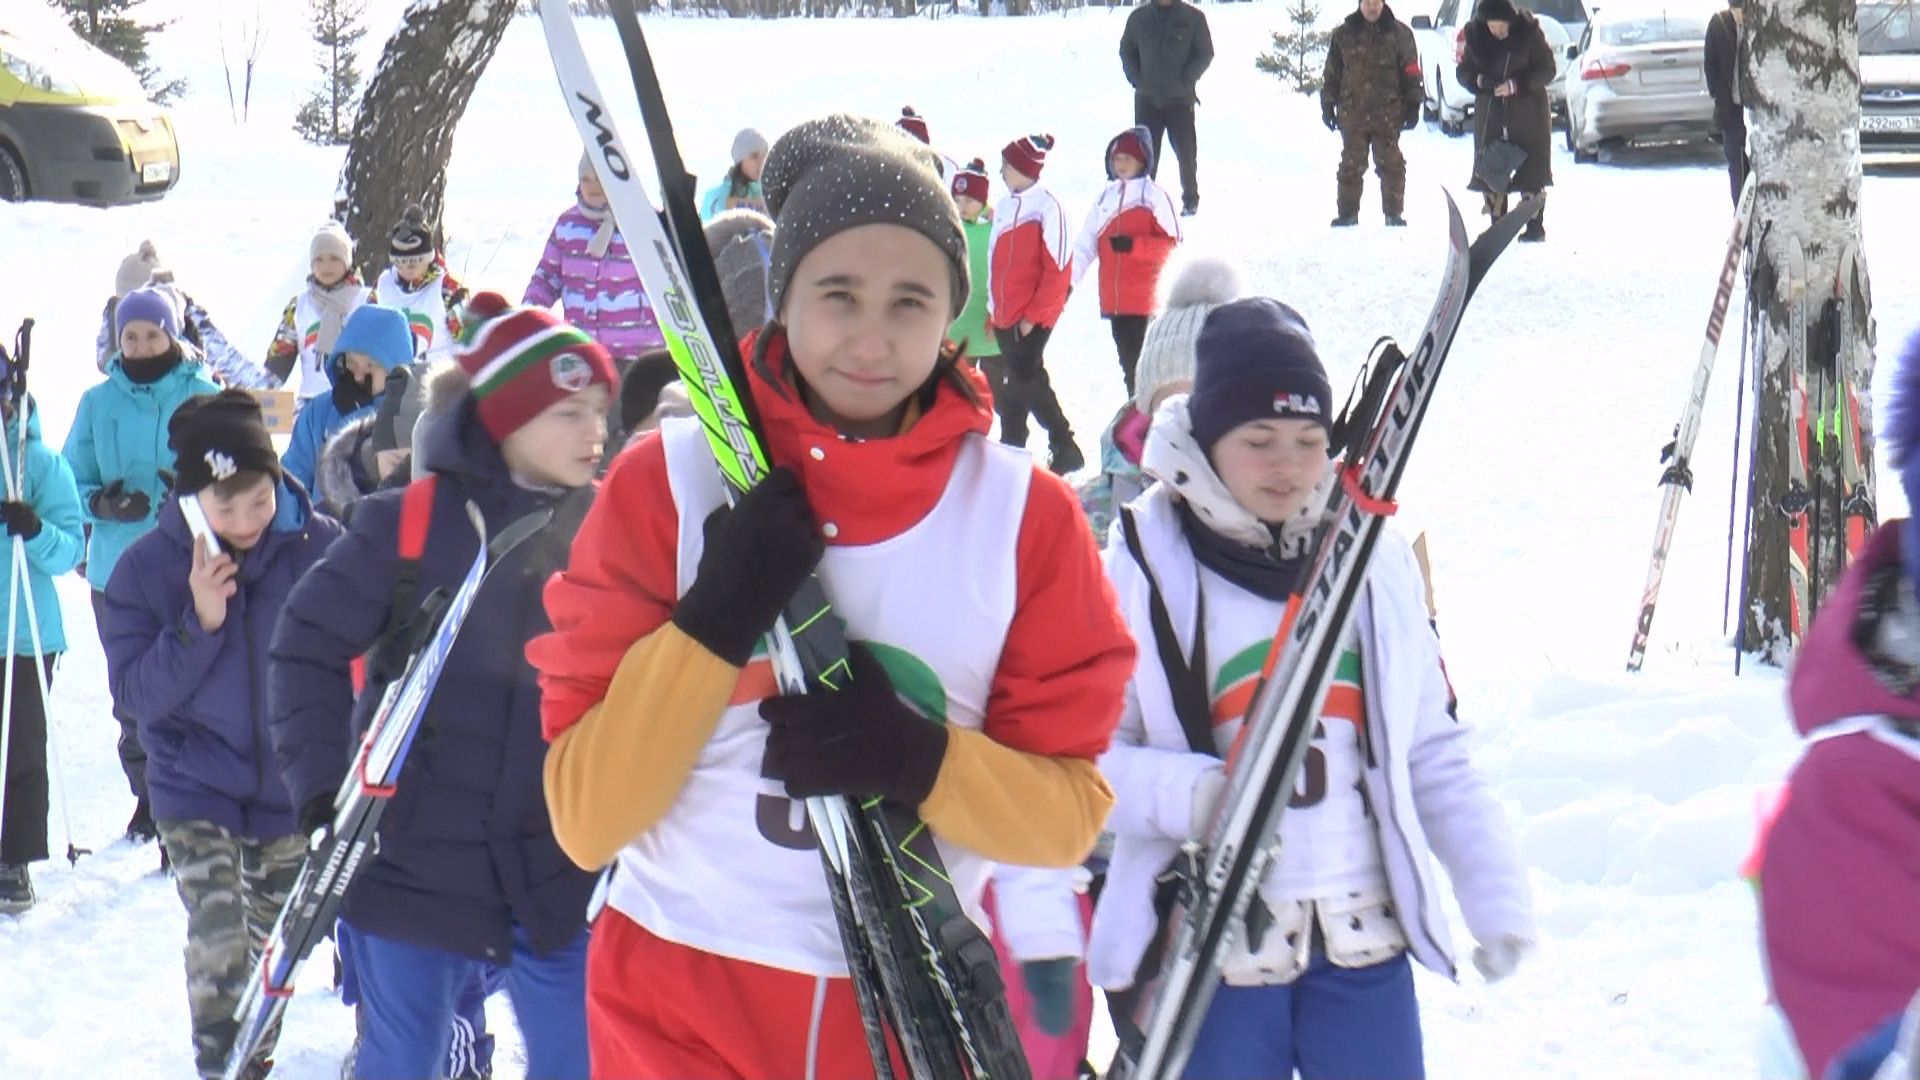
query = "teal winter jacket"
{"x": 120, "y": 433}
{"x": 47, "y": 486}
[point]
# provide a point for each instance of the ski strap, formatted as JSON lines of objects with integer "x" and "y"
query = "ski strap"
{"x": 416, "y": 515}
{"x": 1187, "y": 682}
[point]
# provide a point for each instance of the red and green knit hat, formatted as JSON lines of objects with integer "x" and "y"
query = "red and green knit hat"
{"x": 521, "y": 360}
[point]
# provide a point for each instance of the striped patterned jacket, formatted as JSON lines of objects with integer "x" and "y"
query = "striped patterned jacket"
{"x": 602, "y": 296}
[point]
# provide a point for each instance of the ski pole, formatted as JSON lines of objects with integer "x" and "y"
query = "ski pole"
{"x": 1761, "y": 337}
{"x": 1733, "y": 488}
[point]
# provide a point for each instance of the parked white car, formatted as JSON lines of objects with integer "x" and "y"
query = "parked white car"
{"x": 1442, "y": 36}
{"x": 1889, "y": 76}
{"x": 1639, "y": 77}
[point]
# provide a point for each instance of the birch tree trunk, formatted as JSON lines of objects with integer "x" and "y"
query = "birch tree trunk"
{"x": 1801, "y": 85}
{"x": 403, "y": 135}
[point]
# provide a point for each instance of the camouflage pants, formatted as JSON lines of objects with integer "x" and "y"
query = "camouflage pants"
{"x": 1388, "y": 163}
{"x": 233, "y": 888}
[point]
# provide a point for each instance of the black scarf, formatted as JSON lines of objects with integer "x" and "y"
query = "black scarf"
{"x": 350, "y": 395}
{"x": 154, "y": 368}
{"x": 1261, "y": 572}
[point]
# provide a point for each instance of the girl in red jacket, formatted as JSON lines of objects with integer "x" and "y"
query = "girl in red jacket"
{"x": 1030, "y": 283}
{"x": 1132, "y": 229}
{"x": 718, "y": 953}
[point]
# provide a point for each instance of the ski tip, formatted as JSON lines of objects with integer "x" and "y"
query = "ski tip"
{"x": 1501, "y": 233}
{"x": 1456, "y": 225}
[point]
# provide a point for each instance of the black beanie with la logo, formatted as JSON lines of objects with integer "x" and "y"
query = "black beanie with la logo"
{"x": 217, "y": 436}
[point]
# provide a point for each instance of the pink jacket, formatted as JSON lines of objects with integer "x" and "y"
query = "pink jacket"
{"x": 602, "y": 296}
{"x": 1840, "y": 883}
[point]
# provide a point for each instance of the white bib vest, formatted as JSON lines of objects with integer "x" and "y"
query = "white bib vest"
{"x": 731, "y": 870}
{"x": 1328, "y": 842}
{"x": 312, "y": 366}
{"x": 426, "y": 311}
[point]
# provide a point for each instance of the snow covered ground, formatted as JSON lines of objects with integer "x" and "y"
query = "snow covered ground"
{"x": 1534, "y": 478}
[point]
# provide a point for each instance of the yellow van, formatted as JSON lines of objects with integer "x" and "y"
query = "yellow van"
{"x": 75, "y": 125}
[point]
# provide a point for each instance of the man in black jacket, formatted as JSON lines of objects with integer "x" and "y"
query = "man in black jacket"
{"x": 1726, "y": 50}
{"x": 1164, "y": 51}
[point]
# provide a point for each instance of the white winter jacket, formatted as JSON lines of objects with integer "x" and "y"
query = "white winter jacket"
{"x": 1429, "y": 798}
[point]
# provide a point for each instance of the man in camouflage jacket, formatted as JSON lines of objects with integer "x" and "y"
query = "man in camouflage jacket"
{"x": 1372, "y": 90}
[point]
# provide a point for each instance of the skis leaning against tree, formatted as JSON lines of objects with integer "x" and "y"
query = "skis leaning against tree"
{"x": 1677, "y": 455}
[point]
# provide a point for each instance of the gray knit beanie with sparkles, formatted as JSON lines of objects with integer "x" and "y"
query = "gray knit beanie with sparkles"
{"x": 840, "y": 172}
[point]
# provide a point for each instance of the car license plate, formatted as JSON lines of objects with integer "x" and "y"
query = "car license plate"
{"x": 1890, "y": 123}
{"x": 155, "y": 172}
{"x": 1675, "y": 75}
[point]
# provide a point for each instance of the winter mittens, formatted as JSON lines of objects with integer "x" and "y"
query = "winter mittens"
{"x": 858, "y": 741}
{"x": 756, "y": 557}
{"x": 1499, "y": 958}
{"x": 115, "y": 503}
{"x": 20, "y": 519}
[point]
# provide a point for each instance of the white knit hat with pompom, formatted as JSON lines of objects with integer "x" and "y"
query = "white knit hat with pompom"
{"x": 1190, "y": 289}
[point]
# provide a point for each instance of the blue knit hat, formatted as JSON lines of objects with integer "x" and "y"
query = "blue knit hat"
{"x": 1255, "y": 360}
{"x": 147, "y": 305}
{"x": 379, "y": 331}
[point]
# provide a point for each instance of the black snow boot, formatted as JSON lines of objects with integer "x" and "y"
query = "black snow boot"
{"x": 16, "y": 889}
{"x": 1346, "y": 221}
{"x": 1396, "y": 221}
{"x": 140, "y": 827}
{"x": 1535, "y": 232}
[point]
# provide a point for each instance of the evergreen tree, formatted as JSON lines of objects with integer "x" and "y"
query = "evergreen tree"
{"x": 1298, "y": 56}
{"x": 327, "y": 117}
{"x": 112, "y": 27}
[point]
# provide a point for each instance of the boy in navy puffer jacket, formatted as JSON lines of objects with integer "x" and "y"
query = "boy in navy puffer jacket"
{"x": 186, "y": 636}
{"x": 468, "y": 877}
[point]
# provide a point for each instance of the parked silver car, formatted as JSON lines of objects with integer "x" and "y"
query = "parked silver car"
{"x": 1442, "y": 37}
{"x": 1638, "y": 76}
{"x": 1889, "y": 76}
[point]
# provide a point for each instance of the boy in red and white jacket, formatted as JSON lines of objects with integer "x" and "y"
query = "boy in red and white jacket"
{"x": 1132, "y": 229}
{"x": 1029, "y": 280}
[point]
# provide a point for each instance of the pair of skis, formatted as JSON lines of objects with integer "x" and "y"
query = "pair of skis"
{"x": 338, "y": 851}
{"x": 1677, "y": 455}
{"x": 13, "y": 467}
{"x": 922, "y": 971}
{"x": 1222, "y": 880}
{"x": 1827, "y": 508}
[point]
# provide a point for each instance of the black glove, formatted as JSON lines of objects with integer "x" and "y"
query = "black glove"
{"x": 316, "y": 815}
{"x": 1120, "y": 244}
{"x": 1328, "y": 118}
{"x": 859, "y": 741}
{"x": 115, "y": 503}
{"x": 757, "y": 555}
{"x": 20, "y": 519}
{"x": 1412, "y": 121}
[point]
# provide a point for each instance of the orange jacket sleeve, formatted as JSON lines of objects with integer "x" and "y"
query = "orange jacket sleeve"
{"x": 619, "y": 586}
{"x": 627, "y": 700}
{"x": 1028, "y": 792}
